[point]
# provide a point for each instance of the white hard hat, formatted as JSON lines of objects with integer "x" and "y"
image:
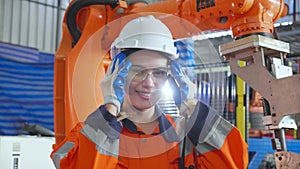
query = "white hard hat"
{"x": 145, "y": 32}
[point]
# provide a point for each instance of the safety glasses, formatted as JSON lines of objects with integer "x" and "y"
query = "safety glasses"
{"x": 157, "y": 74}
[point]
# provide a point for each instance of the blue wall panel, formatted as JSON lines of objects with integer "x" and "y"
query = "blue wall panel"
{"x": 26, "y": 88}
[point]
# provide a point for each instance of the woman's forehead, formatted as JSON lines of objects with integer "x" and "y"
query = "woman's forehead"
{"x": 148, "y": 58}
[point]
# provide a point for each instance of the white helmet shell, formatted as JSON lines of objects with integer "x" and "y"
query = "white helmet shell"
{"x": 145, "y": 32}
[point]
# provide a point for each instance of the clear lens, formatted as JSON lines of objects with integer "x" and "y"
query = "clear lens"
{"x": 159, "y": 74}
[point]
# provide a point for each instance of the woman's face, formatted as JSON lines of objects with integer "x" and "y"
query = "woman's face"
{"x": 146, "y": 78}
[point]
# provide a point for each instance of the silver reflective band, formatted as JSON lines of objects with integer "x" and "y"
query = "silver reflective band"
{"x": 104, "y": 145}
{"x": 216, "y": 137}
{"x": 61, "y": 153}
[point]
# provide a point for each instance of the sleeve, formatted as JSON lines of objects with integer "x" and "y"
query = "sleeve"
{"x": 219, "y": 144}
{"x": 92, "y": 143}
{"x": 104, "y": 121}
{"x": 64, "y": 155}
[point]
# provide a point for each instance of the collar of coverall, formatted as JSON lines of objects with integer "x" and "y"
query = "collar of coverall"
{"x": 165, "y": 127}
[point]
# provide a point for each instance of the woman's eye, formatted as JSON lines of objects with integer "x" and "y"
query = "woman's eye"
{"x": 159, "y": 73}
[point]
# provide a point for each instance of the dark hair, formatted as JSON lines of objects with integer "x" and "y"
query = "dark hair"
{"x": 128, "y": 52}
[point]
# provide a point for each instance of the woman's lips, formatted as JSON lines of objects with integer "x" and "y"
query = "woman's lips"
{"x": 144, "y": 95}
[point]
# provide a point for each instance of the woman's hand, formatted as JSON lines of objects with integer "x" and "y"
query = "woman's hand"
{"x": 184, "y": 96}
{"x": 113, "y": 83}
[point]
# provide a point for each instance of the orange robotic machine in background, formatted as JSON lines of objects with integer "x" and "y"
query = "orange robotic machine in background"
{"x": 90, "y": 26}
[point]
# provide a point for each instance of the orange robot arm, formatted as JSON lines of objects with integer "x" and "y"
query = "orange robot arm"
{"x": 82, "y": 56}
{"x": 243, "y": 17}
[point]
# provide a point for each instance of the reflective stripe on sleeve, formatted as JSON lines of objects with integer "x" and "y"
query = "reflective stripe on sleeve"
{"x": 104, "y": 145}
{"x": 216, "y": 137}
{"x": 107, "y": 123}
{"x": 61, "y": 153}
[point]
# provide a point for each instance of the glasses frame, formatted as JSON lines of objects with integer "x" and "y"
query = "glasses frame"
{"x": 139, "y": 76}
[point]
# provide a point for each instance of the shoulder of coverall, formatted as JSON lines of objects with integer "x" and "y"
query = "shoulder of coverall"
{"x": 207, "y": 128}
{"x": 99, "y": 119}
{"x": 105, "y": 121}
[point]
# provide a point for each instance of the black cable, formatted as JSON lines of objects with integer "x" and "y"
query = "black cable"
{"x": 182, "y": 158}
{"x": 76, "y": 6}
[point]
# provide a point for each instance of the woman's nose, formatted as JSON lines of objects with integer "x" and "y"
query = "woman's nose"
{"x": 148, "y": 80}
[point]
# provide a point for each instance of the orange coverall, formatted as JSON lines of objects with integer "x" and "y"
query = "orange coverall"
{"x": 101, "y": 142}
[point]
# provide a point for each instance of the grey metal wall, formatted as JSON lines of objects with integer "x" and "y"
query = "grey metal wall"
{"x": 32, "y": 23}
{"x": 37, "y": 23}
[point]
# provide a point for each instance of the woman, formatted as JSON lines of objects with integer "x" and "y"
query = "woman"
{"x": 130, "y": 129}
